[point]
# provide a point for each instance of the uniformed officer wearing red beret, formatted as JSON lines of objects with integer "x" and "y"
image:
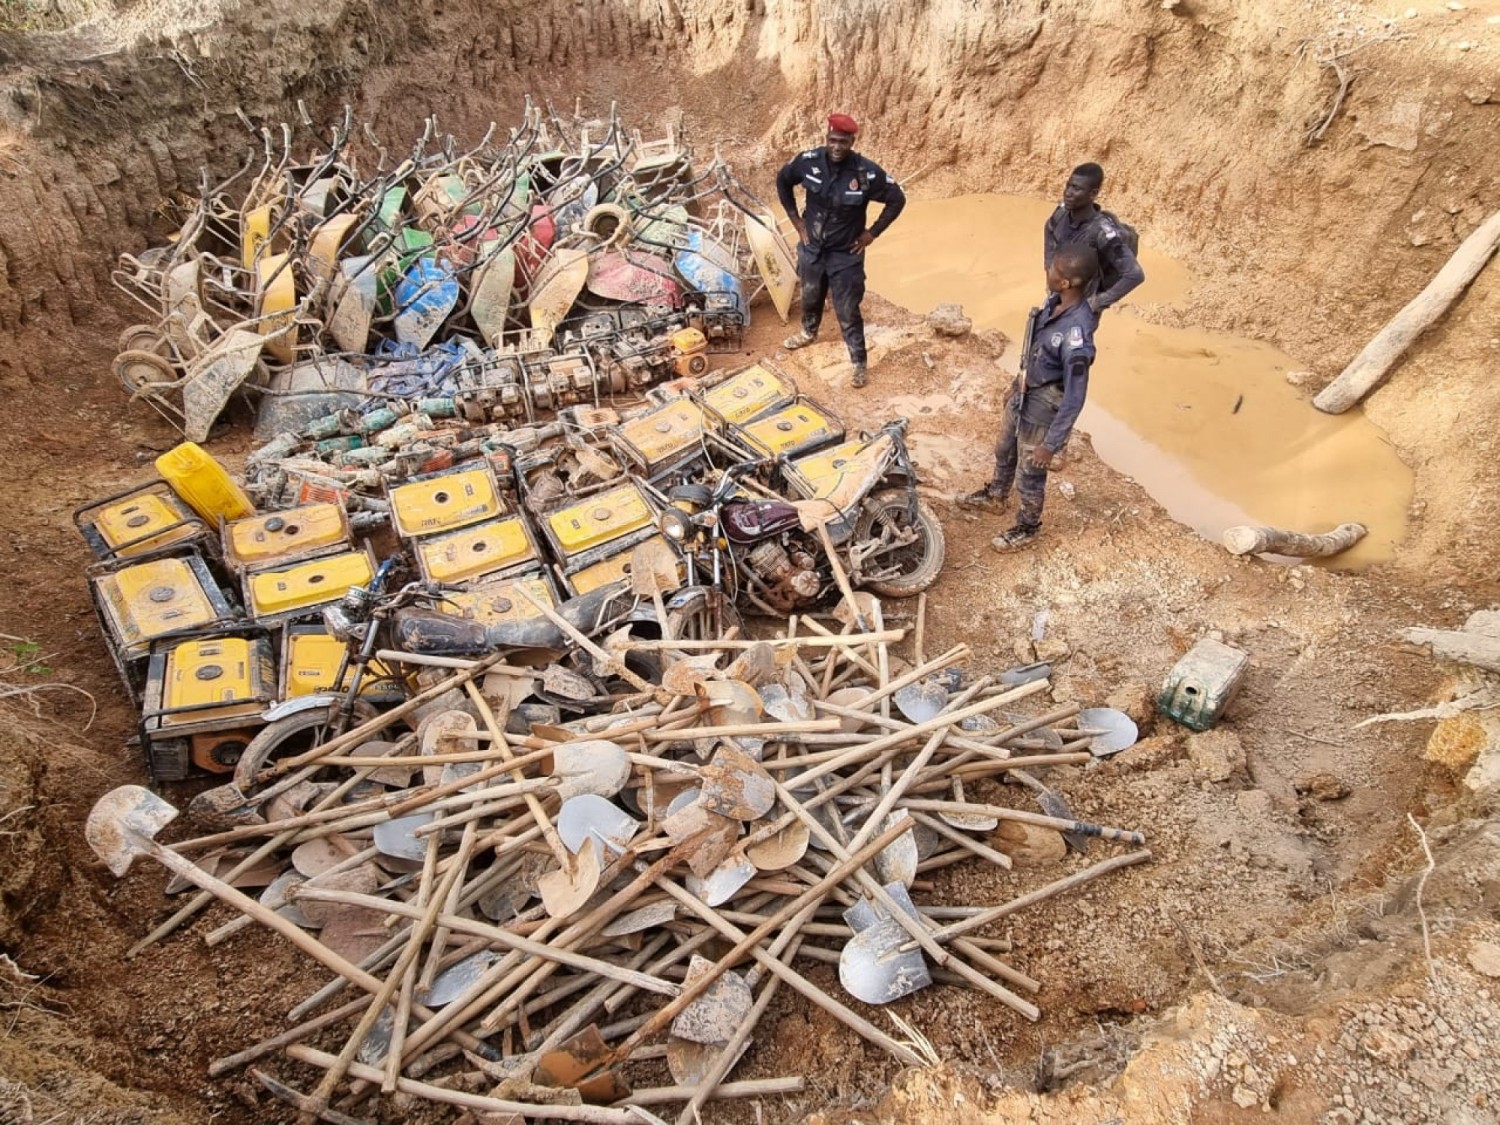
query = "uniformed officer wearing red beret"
{"x": 838, "y": 185}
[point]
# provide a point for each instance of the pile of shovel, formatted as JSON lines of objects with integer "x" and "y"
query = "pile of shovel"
{"x": 526, "y": 910}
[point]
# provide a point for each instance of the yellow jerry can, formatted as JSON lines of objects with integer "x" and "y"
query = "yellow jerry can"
{"x": 750, "y": 393}
{"x": 310, "y": 662}
{"x": 498, "y": 599}
{"x": 445, "y": 502}
{"x": 794, "y": 429}
{"x": 610, "y": 570}
{"x": 142, "y": 522}
{"x": 281, "y": 592}
{"x": 149, "y": 599}
{"x": 203, "y": 483}
{"x": 475, "y": 551}
{"x": 279, "y": 538}
{"x": 601, "y": 519}
{"x": 660, "y": 437}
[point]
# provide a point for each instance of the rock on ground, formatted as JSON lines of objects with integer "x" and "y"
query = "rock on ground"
{"x": 1216, "y": 754}
{"x": 949, "y": 320}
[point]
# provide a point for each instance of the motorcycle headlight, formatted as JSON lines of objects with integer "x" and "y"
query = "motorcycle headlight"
{"x": 676, "y": 525}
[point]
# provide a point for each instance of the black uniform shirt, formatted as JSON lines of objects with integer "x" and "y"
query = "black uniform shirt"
{"x": 838, "y": 197}
{"x": 1118, "y": 264}
{"x": 1062, "y": 351}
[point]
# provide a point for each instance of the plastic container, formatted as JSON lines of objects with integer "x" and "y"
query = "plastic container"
{"x": 1201, "y": 686}
{"x": 203, "y": 483}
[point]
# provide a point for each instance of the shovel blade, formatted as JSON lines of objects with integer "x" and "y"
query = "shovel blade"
{"x": 591, "y": 817}
{"x": 735, "y": 785}
{"x": 872, "y": 966}
{"x": 122, "y": 821}
{"x": 653, "y": 568}
{"x": 716, "y": 1015}
{"x": 577, "y": 1064}
{"x": 781, "y": 850}
{"x": 690, "y": 1063}
{"x": 596, "y": 766}
{"x": 921, "y": 701}
{"x": 223, "y": 807}
{"x": 723, "y": 882}
{"x": 566, "y": 889}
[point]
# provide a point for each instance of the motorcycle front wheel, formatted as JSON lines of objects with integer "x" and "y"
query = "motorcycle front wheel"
{"x": 905, "y": 568}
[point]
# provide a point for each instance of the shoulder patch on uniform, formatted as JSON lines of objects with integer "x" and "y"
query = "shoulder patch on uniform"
{"x": 1057, "y": 339}
{"x": 1108, "y": 231}
{"x": 810, "y": 153}
{"x": 890, "y": 179}
{"x": 1075, "y": 337}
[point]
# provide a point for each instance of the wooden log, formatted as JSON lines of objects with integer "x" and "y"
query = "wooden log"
{"x": 1391, "y": 342}
{"x": 1279, "y": 541}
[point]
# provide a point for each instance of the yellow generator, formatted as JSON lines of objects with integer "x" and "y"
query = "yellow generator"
{"x": 609, "y": 570}
{"x": 793, "y": 430}
{"x": 445, "y": 501}
{"x": 141, "y": 523}
{"x": 286, "y": 537}
{"x": 496, "y": 547}
{"x": 499, "y": 599}
{"x": 203, "y": 702}
{"x": 600, "y": 526}
{"x": 144, "y": 601}
{"x": 664, "y": 438}
{"x": 285, "y": 593}
{"x": 749, "y": 393}
{"x": 312, "y": 663}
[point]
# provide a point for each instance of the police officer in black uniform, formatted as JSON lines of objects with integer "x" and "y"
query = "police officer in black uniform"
{"x": 1081, "y": 221}
{"x": 839, "y": 185}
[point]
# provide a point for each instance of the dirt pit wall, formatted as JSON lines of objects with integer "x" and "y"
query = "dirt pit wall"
{"x": 1314, "y": 163}
{"x": 1200, "y": 111}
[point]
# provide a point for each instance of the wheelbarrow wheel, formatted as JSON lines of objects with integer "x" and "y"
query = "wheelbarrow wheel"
{"x": 144, "y": 373}
{"x": 143, "y": 338}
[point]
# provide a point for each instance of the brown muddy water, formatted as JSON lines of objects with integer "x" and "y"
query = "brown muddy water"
{"x": 1206, "y": 422}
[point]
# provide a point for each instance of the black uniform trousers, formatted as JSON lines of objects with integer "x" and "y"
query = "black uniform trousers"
{"x": 1028, "y": 416}
{"x": 826, "y": 272}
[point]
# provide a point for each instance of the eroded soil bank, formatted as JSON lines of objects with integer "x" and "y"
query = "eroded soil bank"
{"x": 1281, "y": 905}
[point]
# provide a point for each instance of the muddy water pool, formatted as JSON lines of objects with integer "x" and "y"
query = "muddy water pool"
{"x": 1205, "y": 421}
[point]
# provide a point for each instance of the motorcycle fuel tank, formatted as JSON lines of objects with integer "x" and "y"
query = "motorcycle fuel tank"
{"x": 749, "y": 521}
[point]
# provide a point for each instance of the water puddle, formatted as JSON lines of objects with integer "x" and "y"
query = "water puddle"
{"x": 1205, "y": 421}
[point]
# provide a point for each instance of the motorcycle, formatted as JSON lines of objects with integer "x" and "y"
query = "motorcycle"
{"x": 768, "y": 554}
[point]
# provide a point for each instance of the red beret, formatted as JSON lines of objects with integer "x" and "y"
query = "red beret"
{"x": 843, "y": 123}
